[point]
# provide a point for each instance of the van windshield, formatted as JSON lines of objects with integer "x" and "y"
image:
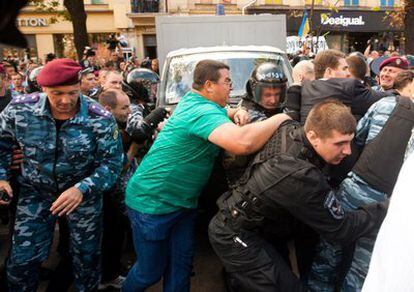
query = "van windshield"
{"x": 179, "y": 76}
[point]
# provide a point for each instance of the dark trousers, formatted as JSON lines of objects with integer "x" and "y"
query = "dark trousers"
{"x": 62, "y": 276}
{"x": 251, "y": 262}
{"x": 115, "y": 227}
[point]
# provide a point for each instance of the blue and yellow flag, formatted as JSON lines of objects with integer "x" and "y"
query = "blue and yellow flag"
{"x": 304, "y": 26}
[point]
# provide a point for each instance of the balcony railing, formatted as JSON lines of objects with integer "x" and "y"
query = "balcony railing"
{"x": 145, "y": 6}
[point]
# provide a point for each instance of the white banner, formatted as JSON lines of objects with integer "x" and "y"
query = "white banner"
{"x": 295, "y": 43}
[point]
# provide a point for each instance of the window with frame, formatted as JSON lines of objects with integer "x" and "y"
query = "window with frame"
{"x": 273, "y": 2}
{"x": 317, "y": 2}
{"x": 351, "y": 2}
{"x": 387, "y": 3}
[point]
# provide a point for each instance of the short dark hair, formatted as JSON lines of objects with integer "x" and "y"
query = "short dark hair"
{"x": 326, "y": 59}
{"x": 109, "y": 98}
{"x": 403, "y": 79}
{"x": 357, "y": 66}
{"x": 330, "y": 115}
{"x": 207, "y": 70}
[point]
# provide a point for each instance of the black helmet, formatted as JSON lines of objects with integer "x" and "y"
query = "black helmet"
{"x": 263, "y": 76}
{"x": 138, "y": 84}
{"x": 32, "y": 85}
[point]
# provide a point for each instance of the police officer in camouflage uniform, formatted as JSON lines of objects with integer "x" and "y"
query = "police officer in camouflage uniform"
{"x": 72, "y": 152}
{"x": 387, "y": 132}
{"x": 285, "y": 183}
{"x": 388, "y": 71}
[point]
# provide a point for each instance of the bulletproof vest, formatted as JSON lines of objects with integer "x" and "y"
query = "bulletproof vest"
{"x": 235, "y": 165}
{"x": 244, "y": 207}
{"x": 382, "y": 158}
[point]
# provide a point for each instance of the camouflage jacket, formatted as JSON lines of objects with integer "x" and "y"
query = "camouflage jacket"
{"x": 136, "y": 119}
{"x": 86, "y": 152}
{"x": 354, "y": 191}
{"x": 374, "y": 120}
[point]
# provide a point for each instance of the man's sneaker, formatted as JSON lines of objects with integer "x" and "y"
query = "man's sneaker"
{"x": 115, "y": 284}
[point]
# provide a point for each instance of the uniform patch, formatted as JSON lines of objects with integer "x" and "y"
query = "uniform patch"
{"x": 99, "y": 110}
{"x": 115, "y": 134}
{"x": 25, "y": 98}
{"x": 334, "y": 207}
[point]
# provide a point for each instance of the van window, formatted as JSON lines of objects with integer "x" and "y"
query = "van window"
{"x": 179, "y": 76}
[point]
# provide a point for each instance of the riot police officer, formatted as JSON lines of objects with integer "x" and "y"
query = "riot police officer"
{"x": 32, "y": 85}
{"x": 72, "y": 152}
{"x": 265, "y": 91}
{"x": 285, "y": 183}
{"x": 138, "y": 85}
{"x": 265, "y": 96}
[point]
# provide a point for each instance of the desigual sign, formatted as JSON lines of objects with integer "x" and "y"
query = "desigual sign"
{"x": 343, "y": 21}
{"x": 32, "y": 22}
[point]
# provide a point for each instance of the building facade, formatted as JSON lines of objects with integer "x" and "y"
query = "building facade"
{"x": 347, "y": 27}
{"x": 50, "y": 32}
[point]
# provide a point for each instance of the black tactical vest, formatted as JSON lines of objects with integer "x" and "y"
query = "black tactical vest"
{"x": 244, "y": 203}
{"x": 382, "y": 158}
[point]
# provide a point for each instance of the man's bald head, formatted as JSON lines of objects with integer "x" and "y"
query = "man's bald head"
{"x": 117, "y": 102}
{"x": 304, "y": 70}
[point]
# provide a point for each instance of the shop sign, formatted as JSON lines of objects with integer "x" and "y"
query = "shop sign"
{"x": 32, "y": 22}
{"x": 342, "y": 20}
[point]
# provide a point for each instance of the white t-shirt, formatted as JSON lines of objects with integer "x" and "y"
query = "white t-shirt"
{"x": 392, "y": 262}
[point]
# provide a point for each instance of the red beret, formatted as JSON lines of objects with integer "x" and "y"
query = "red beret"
{"x": 399, "y": 62}
{"x": 59, "y": 72}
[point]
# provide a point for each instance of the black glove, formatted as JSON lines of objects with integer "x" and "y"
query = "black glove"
{"x": 155, "y": 117}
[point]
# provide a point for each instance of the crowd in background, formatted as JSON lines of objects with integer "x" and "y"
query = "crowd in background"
{"x": 358, "y": 80}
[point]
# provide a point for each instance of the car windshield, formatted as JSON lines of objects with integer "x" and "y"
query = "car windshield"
{"x": 179, "y": 77}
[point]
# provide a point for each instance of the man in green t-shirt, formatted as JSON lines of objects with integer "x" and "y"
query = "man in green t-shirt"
{"x": 162, "y": 195}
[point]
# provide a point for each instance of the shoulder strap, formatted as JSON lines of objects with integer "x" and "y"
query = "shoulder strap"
{"x": 26, "y": 98}
{"x": 99, "y": 110}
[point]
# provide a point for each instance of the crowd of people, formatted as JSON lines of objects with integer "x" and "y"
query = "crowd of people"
{"x": 314, "y": 162}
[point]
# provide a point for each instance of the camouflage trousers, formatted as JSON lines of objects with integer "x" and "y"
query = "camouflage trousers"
{"x": 33, "y": 236}
{"x": 326, "y": 268}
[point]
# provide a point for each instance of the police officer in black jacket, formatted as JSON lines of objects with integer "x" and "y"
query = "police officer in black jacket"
{"x": 284, "y": 183}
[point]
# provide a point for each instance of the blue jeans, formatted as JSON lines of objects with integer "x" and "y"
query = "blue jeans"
{"x": 164, "y": 245}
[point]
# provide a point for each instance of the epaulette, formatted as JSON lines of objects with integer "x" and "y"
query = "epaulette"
{"x": 99, "y": 110}
{"x": 26, "y": 98}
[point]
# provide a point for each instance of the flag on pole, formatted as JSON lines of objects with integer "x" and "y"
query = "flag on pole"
{"x": 304, "y": 26}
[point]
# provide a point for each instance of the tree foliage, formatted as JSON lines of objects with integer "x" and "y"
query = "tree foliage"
{"x": 408, "y": 17}
{"x": 74, "y": 11}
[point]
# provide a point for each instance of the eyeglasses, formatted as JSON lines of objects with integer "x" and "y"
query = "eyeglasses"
{"x": 227, "y": 82}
